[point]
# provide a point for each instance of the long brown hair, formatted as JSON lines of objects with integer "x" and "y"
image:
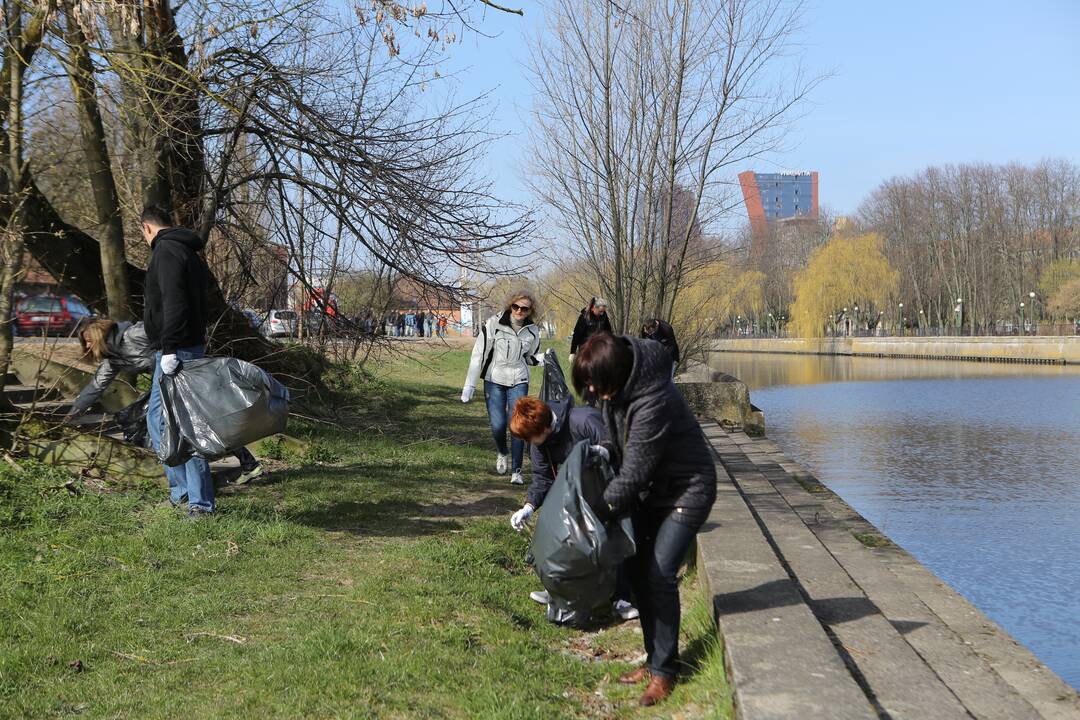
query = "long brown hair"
{"x": 94, "y": 338}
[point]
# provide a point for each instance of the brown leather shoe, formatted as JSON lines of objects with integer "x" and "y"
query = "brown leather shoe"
{"x": 658, "y": 689}
{"x": 635, "y": 676}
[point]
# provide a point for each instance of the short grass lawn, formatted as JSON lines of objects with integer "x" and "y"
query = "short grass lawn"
{"x": 372, "y": 574}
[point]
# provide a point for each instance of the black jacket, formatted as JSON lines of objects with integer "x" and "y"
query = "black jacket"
{"x": 587, "y": 326}
{"x": 572, "y": 425}
{"x": 665, "y": 335}
{"x": 177, "y": 282}
{"x": 128, "y": 349}
{"x": 665, "y": 461}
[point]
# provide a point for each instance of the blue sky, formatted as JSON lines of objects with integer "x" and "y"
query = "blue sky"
{"x": 912, "y": 84}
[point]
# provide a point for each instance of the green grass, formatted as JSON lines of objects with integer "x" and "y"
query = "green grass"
{"x": 374, "y": 574}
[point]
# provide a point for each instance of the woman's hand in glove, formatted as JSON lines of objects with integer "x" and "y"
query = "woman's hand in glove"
{"x": 518, "y": 519}
{"x": 467, "y": 393}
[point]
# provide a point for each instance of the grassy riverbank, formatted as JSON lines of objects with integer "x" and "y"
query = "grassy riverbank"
{"x": 373, "y": 575}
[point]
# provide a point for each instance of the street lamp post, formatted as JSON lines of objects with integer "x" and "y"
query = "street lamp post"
{"x": 922, "y": 317}
{"x": 855, "y": 326}
{"x": 1031, "y": 305}
{"x": 900, "y": 319}
{"x": 959, "y": 310}
{"x": 1022, "y": 330}
{"x": 769, "y": 326}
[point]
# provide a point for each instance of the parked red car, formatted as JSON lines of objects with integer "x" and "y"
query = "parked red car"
{"x": 51, "y": 315}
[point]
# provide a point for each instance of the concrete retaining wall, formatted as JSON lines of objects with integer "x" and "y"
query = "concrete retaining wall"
{"x": 1057, "y": 350}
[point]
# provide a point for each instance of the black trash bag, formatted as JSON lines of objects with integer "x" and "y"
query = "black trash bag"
{"x": 132, "y": 421}
{"x": 575, "y": 553}
{"x": 212, "y": 406}
{"x": 554, "y": 388}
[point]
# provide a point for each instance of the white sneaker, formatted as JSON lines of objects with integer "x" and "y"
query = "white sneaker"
{"x": 500, "y": 464}
{"x": 541, "y": 596}
{"x": 516, "y": 479}
{"x": 624, "y": 610}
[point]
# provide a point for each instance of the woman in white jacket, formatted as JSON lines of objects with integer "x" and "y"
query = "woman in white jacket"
{"x": 507, "y": 345}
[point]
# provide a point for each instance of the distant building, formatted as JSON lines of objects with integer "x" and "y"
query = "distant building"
{"x": 777, "y": 197}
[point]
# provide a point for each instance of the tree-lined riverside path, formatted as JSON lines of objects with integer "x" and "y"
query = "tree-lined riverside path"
{"x": 823, "y": 617}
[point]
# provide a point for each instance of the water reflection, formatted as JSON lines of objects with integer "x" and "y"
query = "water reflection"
{"x": 974, "y": 468}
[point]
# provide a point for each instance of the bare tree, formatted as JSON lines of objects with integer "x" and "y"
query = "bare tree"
{"x": 260, "y": 122}
{"x": 644, "y": 111}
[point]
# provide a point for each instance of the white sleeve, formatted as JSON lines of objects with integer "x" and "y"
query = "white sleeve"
{"x": 476, "y": 362}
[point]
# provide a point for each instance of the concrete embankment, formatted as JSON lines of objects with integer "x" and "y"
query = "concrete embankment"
{"x": 1050, "y": 350}
{"x": 822, "y": 617}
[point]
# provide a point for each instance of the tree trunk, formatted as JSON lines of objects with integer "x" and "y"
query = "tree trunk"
{"x": 106, "y": 200}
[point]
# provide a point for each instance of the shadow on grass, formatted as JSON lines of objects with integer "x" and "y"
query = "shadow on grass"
{"x": 389, "y": 501}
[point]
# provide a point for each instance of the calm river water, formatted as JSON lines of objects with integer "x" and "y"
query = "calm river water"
{"x": 973, "y": 468}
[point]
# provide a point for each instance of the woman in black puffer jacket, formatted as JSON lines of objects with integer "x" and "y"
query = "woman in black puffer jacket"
{"x": 666, "y": 480}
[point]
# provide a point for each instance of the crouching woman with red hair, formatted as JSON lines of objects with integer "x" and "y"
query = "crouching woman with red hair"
{"x": 665, "y": 480}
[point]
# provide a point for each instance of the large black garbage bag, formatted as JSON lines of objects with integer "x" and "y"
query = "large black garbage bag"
{"x": 554, "y": 388}
{"x": 213, "y": 406}
{"x": 575, "y": 553}
{"x": 132, "y": 421}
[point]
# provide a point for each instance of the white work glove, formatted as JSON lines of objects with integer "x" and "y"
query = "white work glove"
{"x": 467, "y": 393}
{"x": 601, "y": 451}
{"x": 518, "y": 519}
{"x": 571, "y": 359}
{"x": 169, "y": 364}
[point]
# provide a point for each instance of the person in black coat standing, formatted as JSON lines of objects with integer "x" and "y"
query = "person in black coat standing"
{"x": 662, "y": 332}
{"x": 592, "y": 320}
{"x": 174, "y": 317}
{"x": 665, "y": 479}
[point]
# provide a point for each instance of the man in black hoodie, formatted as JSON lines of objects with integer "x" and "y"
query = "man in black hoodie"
{"x": 174, "y": 315}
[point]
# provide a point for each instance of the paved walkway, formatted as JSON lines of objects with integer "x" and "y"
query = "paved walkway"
{"x": 817, "y": 622}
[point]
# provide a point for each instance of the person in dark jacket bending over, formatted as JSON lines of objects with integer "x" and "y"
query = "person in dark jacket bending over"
{"x": 662, "y": 332}
{"x": 552, "y": 430}
{"x": 123, "y": 347}
{"x": 665, "y": 479}
{"x": 174, "y": 316}
{"x": 592, "y": 320}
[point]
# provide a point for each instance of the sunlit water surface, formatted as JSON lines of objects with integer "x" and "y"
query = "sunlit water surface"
{"x": 973, "y": 468}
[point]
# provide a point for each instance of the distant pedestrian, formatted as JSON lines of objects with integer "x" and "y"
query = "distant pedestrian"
{"x": 665, "y": 481}
{"x": 442, "y": 326}
{"x": 593, "y": 319}
{"x": 400, "y": 325}
{"x": 507, "y": 345}
{"x": 430, "y": 320}
{"x": 410, "y": 324}
{"x": 420, "y": 319}
{"x": 662, "y": 332}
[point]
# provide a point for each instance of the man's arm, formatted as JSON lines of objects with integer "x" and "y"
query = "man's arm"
{"x": 172, "y": 277}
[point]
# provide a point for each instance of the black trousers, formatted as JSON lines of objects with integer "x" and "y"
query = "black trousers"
{"x": 663, "y": 536}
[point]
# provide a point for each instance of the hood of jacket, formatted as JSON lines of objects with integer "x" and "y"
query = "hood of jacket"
{"x": 561, "y": 409}
{"x": 181, "y": 235}
{"x": 650, "y": 373}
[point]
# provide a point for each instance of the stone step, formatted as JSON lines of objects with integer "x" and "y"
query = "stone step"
{"x": 25, "y": 394}
{"x": 992, "y": 675}
{"x": 782, "y": 663}
{"x": 890, "y": 671}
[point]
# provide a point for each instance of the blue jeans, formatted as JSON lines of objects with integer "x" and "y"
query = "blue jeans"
{"x": 662, "y": 538}
{"x": 192, "y": 479}
{"x": 500, "y": 405}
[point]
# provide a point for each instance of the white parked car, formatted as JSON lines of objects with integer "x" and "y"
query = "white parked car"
{"x": 279, "y": 323}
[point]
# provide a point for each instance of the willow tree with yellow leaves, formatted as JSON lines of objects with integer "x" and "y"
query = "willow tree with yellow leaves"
{"x": 847, "y": 272}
